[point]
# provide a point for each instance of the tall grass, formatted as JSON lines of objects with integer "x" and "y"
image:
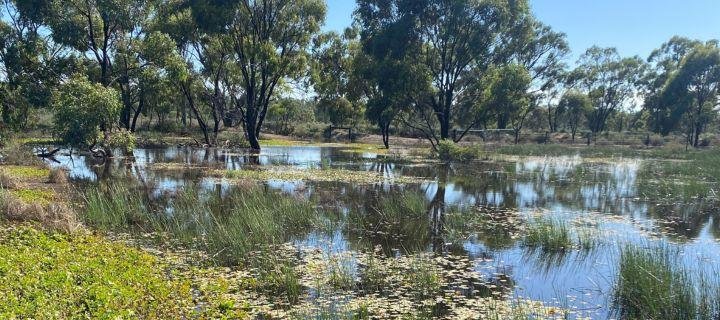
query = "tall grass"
{"x": 653, "y": 284}
{"x": 226, "y": 226}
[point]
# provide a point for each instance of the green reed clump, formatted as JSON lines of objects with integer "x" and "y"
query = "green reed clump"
{"x": 114, "y": 206}
{"x": 653, "y": 284}
{"x": 548, "y": 235}
{"x": 226, "y": 226}
{"x": 405, "y": 205}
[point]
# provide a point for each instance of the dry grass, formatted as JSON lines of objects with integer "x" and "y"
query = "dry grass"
{"x": 58, "y": 176}
{"x": 16, "y": 153}
{"x": 26, "y": 196}
{"x": 54, "y": 216}
{"x": 10, "y": 182}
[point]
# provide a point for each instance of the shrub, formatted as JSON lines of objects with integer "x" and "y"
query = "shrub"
{"x": 82, "y": 107}
{"x": 310, "y": 130}
{"x": 654, "y": 140}
{"x": 122, "y": 139}
{"x": 449, "y": 151}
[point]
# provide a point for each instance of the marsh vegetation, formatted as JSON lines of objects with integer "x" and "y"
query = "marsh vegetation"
{"x": 503, "y": 236}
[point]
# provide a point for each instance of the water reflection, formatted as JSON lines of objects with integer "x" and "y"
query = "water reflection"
{"x": 472, "y": 210}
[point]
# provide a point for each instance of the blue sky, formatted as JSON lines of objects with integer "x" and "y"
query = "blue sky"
{"x": 635, "y": 27}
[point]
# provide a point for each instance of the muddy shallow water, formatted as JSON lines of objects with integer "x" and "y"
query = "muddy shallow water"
{"x": 601, "y": 195}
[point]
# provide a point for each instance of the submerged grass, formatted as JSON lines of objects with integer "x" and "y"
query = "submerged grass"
{"x": 653, "y": 284}
{"x": 697, "y": 177}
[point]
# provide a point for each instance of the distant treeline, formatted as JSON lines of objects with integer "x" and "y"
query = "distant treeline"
{"x": 430, "y": 68}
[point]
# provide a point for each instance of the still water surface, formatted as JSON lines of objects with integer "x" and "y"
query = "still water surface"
{"x": 597, "y": 194}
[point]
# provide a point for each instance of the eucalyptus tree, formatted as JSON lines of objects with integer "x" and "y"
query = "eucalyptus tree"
{"x": 662, "y": 64}
{"x": 452, "y": 41}
{"x": 509, "y": 93}
{"x": 387, "y": 86}
{"x": 94, "y": 28}
{"x": 695, "y": 88}
{"x": 576, "y": 108}
{"x": 609, "y": 81}
{"x": 270, "y": 41}
{"x": 207, "y": 55}
{"x": 31, "y": 64}
{"x": 339, "y": 95}
{"x": 541, "y": 51}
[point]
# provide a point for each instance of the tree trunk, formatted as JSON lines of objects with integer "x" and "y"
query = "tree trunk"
{"x": 252, "y": 136}
{"x": 138, "y": 111}
{"x": 385, "y": 129}
{"x": 201, "y": 123}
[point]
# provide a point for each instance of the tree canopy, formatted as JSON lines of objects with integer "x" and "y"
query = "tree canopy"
{"x": 436, "y": 69}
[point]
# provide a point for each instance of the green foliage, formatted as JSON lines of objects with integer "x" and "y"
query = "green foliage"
{"x": 450, "y": 151}
{"x": 508, "y": 95}
{"x": 609, "y": 82}
{"x": 288, "y": 115}
{"x": 81, "y": 276}
{"x": 122, "y": 139}
{"x": 449, "y": 42}
{"x": 575, "y": 108}
{"x": 82, "y": 107}
{"x": 694, "y": 88}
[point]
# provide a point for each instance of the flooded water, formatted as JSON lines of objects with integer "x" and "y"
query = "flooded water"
{"x": 601, "y": 195}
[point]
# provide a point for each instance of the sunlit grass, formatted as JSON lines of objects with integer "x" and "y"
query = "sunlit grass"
{"x": 25, "y": 172}
{"x": 653, "y": 284}
{"x": 42, "y": 197}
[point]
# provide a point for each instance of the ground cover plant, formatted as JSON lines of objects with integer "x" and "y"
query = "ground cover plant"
{"x": 80, "y": 276}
